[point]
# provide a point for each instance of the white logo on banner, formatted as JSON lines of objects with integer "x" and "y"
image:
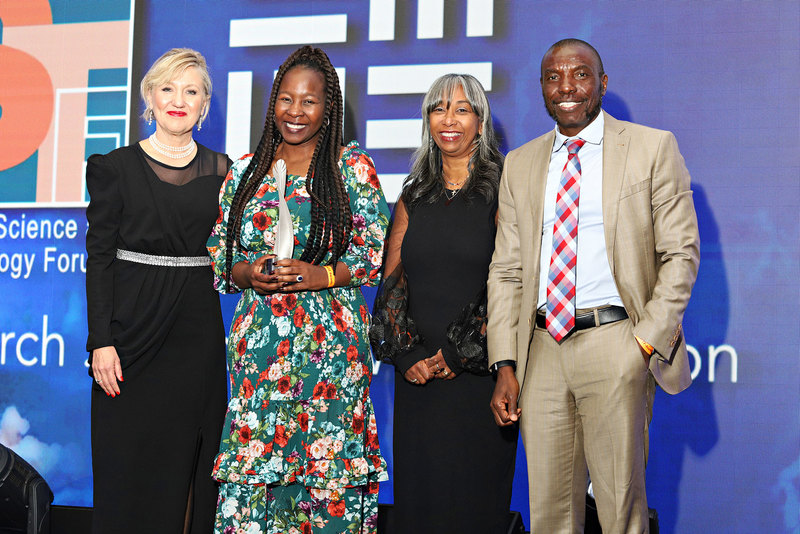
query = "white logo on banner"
{"x": 381, "y": 79}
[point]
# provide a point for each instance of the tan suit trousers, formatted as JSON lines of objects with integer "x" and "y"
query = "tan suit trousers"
{"x": 584, "y": 405}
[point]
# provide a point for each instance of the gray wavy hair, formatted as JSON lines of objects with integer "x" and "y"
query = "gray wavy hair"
{"x": 426, "y": 181}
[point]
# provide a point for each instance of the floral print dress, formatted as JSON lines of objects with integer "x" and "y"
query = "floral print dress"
{"x": 299, "y": 450}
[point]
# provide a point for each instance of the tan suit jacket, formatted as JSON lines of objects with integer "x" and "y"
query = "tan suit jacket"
{"x": 651, "y": 236}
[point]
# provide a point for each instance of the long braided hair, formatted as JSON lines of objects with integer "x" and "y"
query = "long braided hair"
{"x": 331, "y": 218}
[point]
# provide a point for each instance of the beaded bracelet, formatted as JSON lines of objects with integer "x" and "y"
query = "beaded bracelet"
{"x": 331, "y": 276}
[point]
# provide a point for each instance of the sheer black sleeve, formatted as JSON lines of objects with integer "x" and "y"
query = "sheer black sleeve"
{"x": 467, "y": 336}
{"x": 393, "y": 334}
{"x": 223, "y": 164}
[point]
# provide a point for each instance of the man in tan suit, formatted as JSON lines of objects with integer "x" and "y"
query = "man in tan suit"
{"x": 584, "y": 401}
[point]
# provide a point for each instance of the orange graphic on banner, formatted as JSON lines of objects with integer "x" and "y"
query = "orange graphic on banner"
{"x": 26, "y": 92}
{"x": 26, "y": 101}
{"x": 25, "y": 12}
{"x": 44, "y": 94}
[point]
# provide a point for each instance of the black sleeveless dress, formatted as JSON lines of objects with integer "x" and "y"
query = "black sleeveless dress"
{"x": 453, "y": 466}
{"x": 153, "y": 445}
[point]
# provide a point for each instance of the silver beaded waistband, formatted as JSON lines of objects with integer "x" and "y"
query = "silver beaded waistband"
{"x": 163, "y": 261}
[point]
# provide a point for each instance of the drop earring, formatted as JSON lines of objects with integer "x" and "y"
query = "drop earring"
{"x": 150, "y": 117}
{"x": 200, "y": 119}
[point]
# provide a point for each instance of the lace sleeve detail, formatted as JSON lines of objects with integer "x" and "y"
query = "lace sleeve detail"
{"x": 467, "y": 334}
{"x": 392, "y": 332}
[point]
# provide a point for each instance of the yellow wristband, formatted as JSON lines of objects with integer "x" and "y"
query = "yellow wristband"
{"x": 331, "y": 276}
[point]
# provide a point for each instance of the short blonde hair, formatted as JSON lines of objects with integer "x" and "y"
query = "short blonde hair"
{"x": 170, "y": 66}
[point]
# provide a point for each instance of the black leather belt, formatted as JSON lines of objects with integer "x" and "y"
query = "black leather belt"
{"x": 610, "y": 314}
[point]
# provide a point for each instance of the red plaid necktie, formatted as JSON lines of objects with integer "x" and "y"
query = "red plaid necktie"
{"x": 560, "y": 317}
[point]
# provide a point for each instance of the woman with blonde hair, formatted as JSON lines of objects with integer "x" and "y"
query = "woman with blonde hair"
{"x": 156, "y": 338}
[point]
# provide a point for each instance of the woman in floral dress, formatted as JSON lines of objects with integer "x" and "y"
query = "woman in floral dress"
{"x": 299, "y": 450}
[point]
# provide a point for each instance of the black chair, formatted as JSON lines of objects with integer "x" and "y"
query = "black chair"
{"x": 25, "y": 497}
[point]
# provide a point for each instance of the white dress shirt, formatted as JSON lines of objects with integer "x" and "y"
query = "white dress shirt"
{"x": 594, "y": 285}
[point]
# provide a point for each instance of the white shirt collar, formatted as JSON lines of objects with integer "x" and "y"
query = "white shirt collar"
{"x": 593, "y": 133}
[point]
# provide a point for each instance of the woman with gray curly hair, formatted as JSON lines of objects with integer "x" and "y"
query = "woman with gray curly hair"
{"x": 453, "y": 467}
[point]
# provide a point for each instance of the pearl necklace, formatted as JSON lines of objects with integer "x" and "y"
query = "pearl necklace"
{"x": 174, "y": 152}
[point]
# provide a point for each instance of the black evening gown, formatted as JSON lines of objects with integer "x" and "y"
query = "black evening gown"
{"x": 153, "y": 445}
{"x": 453, "y": 466}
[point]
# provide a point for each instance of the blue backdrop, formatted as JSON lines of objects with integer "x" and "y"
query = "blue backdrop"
{"x": 723, "y": 76}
